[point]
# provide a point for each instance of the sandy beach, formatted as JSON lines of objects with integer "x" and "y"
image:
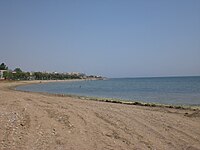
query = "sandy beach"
{"x": 35, "y": 121}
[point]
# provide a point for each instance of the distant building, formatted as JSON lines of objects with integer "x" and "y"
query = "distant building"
{"x": 1, "y": 74}
{"x": 75, "y": 73}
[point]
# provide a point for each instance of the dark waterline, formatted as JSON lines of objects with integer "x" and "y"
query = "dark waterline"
{"x": 164, "y": 90}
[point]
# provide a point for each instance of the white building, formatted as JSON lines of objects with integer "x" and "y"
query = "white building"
{"x": 1, "y": 74}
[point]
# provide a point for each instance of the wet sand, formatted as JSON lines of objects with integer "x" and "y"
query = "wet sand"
{"x": 35, "y": 121}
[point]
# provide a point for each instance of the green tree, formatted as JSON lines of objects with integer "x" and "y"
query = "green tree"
{"x": 18, "y": 70}
{"x": 8, "y": 75}
{"x": 3, "y": 66}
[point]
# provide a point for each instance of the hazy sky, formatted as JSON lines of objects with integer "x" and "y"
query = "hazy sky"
{"x": 113, "y": 38}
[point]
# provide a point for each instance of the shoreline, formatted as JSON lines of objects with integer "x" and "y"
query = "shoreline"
{"x": 43, "y": 121}
{"x": 101, "y": 99}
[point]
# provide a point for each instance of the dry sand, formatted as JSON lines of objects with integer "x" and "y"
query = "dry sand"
{"x": 33, "y": 121}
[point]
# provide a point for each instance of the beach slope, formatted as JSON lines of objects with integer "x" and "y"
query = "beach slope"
{"x": 34, "y": 121}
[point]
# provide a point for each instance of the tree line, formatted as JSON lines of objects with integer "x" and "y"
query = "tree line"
{"x": 18, "y": 74}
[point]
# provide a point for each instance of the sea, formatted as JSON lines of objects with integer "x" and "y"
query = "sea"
{"x": 163, "y": 90}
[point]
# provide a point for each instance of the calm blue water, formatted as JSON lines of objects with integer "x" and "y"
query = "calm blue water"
{"x": 165, "y": 90}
